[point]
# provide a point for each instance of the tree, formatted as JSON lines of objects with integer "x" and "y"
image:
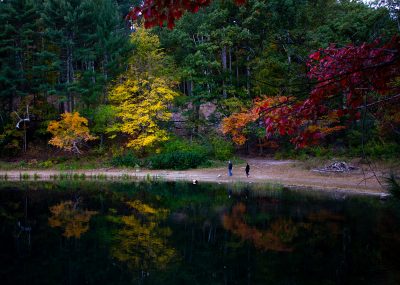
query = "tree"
{"x": 103, "y": 118}
{"x": 18, "y": 48}
{"x": 143, "y": 94}
{"x": 157, "y": 12}
{"x": 348, "y": 79}
{"x": 87, "y": 43}
{"x": 142, "y": 106}
{"x": 70, "y": 132}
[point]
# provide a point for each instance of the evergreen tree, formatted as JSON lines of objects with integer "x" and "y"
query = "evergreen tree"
{"x": 18, "y": 47}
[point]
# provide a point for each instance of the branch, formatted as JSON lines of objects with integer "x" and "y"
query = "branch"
{"x": 380, "y": 101}
{"x": 22, "y": 120}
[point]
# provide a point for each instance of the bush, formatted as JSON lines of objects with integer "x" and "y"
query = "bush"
{"x": 377, "y": 150}
{"x": 183, "y": 145}
{"x": 46, "y": 164}
{"x": 394, "y": 186}
{"x": 176, "y": 160}
{"x": 222, "y": 149}
{"x": 128, "y": 159}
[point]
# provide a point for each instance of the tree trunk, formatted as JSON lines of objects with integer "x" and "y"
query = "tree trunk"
{"x": 224, "y": 67}
{"x": 248, "y": 75}
{"x": 25, "y": 139}
{"x": 261, "y": 149}
{"x": 230, "y": 66}
{"x": 237, "y": 68}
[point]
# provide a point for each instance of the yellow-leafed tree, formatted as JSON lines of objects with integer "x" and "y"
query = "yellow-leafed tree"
{"x": 69, "y": 132}
{"x": 142, "y": 96}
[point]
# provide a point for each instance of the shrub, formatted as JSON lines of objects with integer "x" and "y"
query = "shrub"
{"x": 183, "y": 145}
{"x": 222, "y": 149}
{"x": 46, "y": 164}
{"x": 394, "y": 186}
{"x": 377, "y": 149}
{"x": 176, "y": 160}
{"x": 128, "y": 159}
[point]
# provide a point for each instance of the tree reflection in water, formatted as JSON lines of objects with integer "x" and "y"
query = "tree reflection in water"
{"x": 70, "y": 217}
{"x": 282, "y": 232}
{"x": 277, "y": 238}
{"x": 141, "y": 242}
{"x": 166, "y": 233}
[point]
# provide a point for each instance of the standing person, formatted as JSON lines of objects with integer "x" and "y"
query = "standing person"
{"x": 247, "y": 170}
{"x": 230, "y": 166}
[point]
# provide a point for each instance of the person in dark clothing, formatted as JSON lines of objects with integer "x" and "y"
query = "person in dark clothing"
{"x": 230, "y": 166}
{"x": 247, "y": 170}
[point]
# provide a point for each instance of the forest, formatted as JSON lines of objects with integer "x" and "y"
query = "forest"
{"x": 162, "y": 86}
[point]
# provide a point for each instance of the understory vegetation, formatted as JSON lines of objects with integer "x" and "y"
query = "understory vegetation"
{"x": 84, "y": 86}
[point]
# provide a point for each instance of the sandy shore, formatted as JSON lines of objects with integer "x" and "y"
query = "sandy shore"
{"x": 291, "y": 174}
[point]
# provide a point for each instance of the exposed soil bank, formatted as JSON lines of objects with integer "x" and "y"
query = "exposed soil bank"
{"x": 291, "y": 174}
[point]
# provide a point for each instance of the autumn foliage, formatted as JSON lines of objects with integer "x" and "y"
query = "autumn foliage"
{"x": 69, "y": 132}
{"x": 143, "y": 95}
{"x": 142, "y": 104}
{"x": 346, "y": 80}
{"x": 277, "y": 238}
{"x": 158, "y": 12}
{"x": 142, "y": 241}
{"x": 68, "y": 216}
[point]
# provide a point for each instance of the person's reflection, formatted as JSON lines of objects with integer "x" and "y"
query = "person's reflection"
{"x": 229, "y": 193}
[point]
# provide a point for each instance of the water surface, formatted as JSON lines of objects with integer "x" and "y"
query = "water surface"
{"x": 178, "y": 233}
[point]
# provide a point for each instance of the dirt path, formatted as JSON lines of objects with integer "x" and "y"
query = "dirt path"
{"x": 285, "y": 172}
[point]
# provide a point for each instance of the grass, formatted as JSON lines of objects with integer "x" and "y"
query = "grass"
{"x": 24, "y": 176}
{"x": 61, "y": 164}
{"x": 89, "y": 163}
{"x": 125, "y": 176}
{"x": 256, "y": 187}
{"x": 4, "y": 177}
{"x": 218, "y": 163}
{"x": 101, "y": 176}
{"x": 10, "y": 165}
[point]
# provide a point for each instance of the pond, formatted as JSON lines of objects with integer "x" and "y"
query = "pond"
{"x": 178, "y": 233}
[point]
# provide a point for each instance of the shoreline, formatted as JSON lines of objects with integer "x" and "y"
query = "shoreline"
{"x": 328, "y": 184}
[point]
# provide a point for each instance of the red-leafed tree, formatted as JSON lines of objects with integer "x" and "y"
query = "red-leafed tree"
{"x": 158, "y": 12}
{"x": 346, "y": 80}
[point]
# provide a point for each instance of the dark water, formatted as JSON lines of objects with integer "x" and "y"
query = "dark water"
{"x": 169, "y": 233}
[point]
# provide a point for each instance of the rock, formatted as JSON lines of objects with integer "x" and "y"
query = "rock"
{"x": 337, "y": 166}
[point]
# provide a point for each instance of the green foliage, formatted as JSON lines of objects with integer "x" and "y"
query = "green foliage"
{"x": 103, "y": 118}
{"x": 46, "y": 164}
{"x": 180, "y": 153}
{"x": 176, "y": 160}
{"x": 221, "y": 148}
{"x": 66, "y": 54}
{"x": 181, "y": 144}
{"x": 377, "y": 149}
{"x": 394, "y": 186}
{"x": 24, "y": 176}
{"x": 128, "y": 159}
{"x": 10, "y": 140}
